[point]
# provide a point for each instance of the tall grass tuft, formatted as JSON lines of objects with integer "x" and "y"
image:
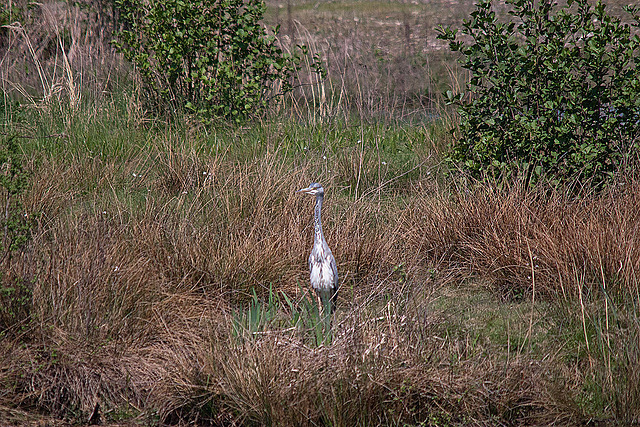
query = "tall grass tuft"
{"x": 495, "y": 233}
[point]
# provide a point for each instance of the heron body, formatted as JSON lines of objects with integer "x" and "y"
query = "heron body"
{"x": 322, "y": 265}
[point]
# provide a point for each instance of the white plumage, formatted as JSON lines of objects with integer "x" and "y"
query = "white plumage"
{"x": 323, "y": 271}
{"x": 323, "y": 275}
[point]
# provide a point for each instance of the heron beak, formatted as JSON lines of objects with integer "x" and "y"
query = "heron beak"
{"x": 304, "y": 190}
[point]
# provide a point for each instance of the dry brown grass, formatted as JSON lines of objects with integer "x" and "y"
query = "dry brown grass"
{"x": 149, "y": 267}
{"x": 574, "y": 242}
{"x": 136, "y": 280}
{"x": 579, "y": 253}
{"x": 53, "y": 50}
{"x": 383, "y": 60}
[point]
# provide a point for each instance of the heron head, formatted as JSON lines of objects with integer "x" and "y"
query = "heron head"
{"x": 314, "y": 189}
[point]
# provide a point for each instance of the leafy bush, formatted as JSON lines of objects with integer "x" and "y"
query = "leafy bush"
{"x": 208, "y": 56}
{"x": 553, "y": 90}
{"x": 13, "y": 182}
{"x": 15, "y": 292}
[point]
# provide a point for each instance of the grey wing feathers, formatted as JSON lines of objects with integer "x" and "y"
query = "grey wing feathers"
{"x": 334, "y": 268}
{"x": 334, "y": 297}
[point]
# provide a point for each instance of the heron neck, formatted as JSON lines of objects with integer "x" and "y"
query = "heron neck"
{"x": 318, "y": 236}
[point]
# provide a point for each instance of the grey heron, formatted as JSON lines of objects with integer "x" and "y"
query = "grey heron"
{"x": 322, "y": 265}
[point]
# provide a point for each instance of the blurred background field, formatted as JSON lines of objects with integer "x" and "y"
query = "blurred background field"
{"x": 159, "y": 273}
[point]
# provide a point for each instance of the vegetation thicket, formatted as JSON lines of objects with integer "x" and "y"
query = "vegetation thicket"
{"x": 15, "y": 296}
{"x": 212, "y": 58}
{"x": 553, "y": 91}
{"x": 154, "y": 271}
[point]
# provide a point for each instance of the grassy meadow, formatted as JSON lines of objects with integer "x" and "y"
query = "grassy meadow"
{"x": 165, "y": 281}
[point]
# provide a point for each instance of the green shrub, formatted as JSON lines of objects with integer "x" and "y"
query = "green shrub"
{"x": 554, "y": 91}
{"x": 15, "y": 226}
{"x": 211, "y": 57}
{"x": 13, "y": 182}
